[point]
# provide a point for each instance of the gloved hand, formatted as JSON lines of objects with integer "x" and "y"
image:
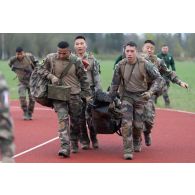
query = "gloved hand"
{"x": 147, "y": 95}
{"x": 184, "y": 85}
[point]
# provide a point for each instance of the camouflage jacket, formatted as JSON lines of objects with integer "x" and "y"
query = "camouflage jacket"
{"x": 168, "y": 59}
{"x": 92, "y": 67}
{"x": 148, "y": 72}
{"x": 76, "y": 76}
{"x": 6, "y": 126}
{"x": 166, "y": 73}
{"x": 23, "y": 68}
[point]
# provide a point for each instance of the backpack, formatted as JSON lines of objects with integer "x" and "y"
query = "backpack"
{"x": 102, "y": 119}
{"x": 38, "y": 88}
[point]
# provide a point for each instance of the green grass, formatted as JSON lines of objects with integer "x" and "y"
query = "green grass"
{"x": 10, "y": 78}
{"x": 179, "y": 97}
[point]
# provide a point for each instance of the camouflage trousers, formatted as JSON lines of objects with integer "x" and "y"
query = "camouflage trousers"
{"x": 84, "y": 120}
{"x": 149, "y": 115}
{"x": 68, "y": 120}
{"x": 165, "y": 93}
{"x": 22, "y": 90}
{"x": 7, "y": 147}
{"x": 132, "y": 121}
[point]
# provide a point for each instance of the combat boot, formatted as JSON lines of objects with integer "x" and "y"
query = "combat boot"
{"x": 85, "y": 145}
{"x": 137, "y": 145}
{"x": 7, "y": 159}
{"x": 128, "y": 156}
{"x": 64, "y": 153}
{"x": 167, "y": 105}
{"x": 25, "y": 116}
{"x": 148, "y": 139}
{"x": 74, "y": 147}
{"x": 95, "y": 144}
{"x": 167, "y": 102}
{"x": 30, "y": 116}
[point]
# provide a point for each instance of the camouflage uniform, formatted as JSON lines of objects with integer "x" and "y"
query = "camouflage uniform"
{"x": 23, "y": 70}
{"x": 167, "y": 74}
{"x": 6, "y": 127}
{"x": 76, "y": 78}
{"x": 93, "y": 77}
{"x": 131, "y": 90}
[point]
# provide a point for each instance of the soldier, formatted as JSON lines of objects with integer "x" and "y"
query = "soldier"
{"x": 6, "y": 127}
{"x": 131, "y": 75}
{"x": 149, "y": 49}
{"x": 92, "y": 69}
{"x": 169, "y": 61}
{"x": 53, "y": 67}
{"x": 23, "y": 64}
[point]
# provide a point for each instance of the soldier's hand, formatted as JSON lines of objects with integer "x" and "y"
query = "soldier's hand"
{"x": 55, "y": 80}
{"x": 111, "y": 106}
{"x": 184, "y": 85}
{"x": 88, "y": 99}
{"x": 147, "y": 95}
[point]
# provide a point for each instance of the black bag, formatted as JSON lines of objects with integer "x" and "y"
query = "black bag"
{"x": 103, "y": 119}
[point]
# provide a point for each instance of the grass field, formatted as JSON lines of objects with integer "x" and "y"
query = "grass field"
{"x": 180, "y": 98}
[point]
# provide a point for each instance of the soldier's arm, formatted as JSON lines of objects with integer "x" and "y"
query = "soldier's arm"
{"x": 116, "y": 80}
{"x": 82, "y": 77}
{"x": 45, "y": 69}
{"x": 34, "y": 60}
{"x": 11, "y": 62}
{"x": 155, "y": 76}
{"x": 172, "y": 63}
{"x": 96, "y": 75}
{"x": 6, "y": 125}
{"x": 171, "y": 75}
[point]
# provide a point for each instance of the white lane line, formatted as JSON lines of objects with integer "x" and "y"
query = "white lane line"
{"x": 173, "y": 110}
{"x": 33, "y": 148}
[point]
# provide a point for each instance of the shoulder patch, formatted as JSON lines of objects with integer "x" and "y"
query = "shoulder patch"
{"x": 123, "y": 61}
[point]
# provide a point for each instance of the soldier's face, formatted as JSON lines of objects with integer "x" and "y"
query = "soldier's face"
{"x": 130, "y": 53}
{"x": 63, "y": 53}
{"x": 80, "y": 46}
{"x": 20, "y": 55}
{"x": 149, "y": 49}
{"x": 165, "y": 49}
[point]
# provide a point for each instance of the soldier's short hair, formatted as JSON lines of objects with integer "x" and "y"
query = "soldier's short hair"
{"x": 131, "y": 44}
{"x": 80, "y": 37}
{"x": 19, "y": 49}
{"x": 165, "y": 45}
{"x": 63, "y": 45}
{"x": 149, "y": 41}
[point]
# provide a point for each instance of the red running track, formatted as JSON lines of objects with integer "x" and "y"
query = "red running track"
{"x": 36, "y": 141}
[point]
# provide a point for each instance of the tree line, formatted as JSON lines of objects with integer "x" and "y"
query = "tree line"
{"x": 182, "y": 46}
